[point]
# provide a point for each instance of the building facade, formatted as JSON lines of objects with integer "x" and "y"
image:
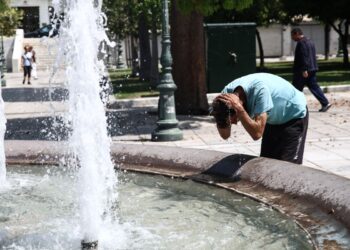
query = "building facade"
{"x": 36, "y": 13}
{"x": 277, "y": 42}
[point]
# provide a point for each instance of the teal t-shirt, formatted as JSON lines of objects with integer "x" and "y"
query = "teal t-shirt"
{"x": 271, "y": 94}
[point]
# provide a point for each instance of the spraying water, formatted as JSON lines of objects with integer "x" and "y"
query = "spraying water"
{"x": 81, "y": 35}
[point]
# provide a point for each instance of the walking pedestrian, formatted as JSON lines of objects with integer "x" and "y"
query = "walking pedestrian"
{"x": 34, "y": 65}
{"x": 305, "y": 68}
{"x": 27, "y": 60}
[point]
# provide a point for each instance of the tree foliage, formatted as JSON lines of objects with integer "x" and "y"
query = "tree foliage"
{"x": 262, "y": 12}
{"x": 10, "y": 18}
{"x": 152, "y": 10}
{"x": 3, "y": 5}
{"x": 208, "y": 7}
{"x": 325, "y": 11}
{"x": 123, "y": 15}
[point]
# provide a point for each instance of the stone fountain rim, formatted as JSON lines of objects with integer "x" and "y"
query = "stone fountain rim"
{"x": 294, "y": 190}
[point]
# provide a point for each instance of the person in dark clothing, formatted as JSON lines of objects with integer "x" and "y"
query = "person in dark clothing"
{"x": 305, "y": 68}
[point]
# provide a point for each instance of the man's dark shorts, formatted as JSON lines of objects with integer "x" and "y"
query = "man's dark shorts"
{"x": 286, "y": 141}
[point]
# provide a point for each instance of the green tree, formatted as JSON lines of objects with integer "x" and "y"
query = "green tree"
{"x": 335, "y": 14}
{"x": 188, "y": 50}
{"x": 10, "y": 19}
{"x": 121, "y": 17}
{"x": 135, "y": 18}
{"x": 122, "y": 22}
{"x": 152, "y": 10}
{"x": 3, "y": 5}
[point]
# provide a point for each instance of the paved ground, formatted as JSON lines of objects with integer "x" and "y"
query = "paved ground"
{"x": 31, "y": 116}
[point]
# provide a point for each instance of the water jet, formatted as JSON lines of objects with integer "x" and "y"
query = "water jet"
{"x": 291, "y": 204}
{"x": 92, "y": 245}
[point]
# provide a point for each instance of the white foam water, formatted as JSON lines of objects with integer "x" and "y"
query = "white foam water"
{"x": 80, "y": 37}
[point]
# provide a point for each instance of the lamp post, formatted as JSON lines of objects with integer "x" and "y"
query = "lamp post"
{"x": 120, "y": 63}
{"x": 167, "y": 124}
{"x": 1, "y": 72}
{"x": 2, "y": 63}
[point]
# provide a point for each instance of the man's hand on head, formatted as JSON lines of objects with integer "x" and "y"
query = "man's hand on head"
{"x": 232, "y": 101}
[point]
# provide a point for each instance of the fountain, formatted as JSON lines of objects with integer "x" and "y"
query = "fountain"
{"x": 82, "y": 33}
{"x": 273, "y": 206}
{"x": 40, "y": 212}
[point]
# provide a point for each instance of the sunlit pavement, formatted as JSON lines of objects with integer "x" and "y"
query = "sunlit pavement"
{"x": 327, "y": 145}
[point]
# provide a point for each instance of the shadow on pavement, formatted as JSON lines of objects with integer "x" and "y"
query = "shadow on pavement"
{"x": 120, "y": 122}
{"x": 40, "y": 128}
{"x": 34, "y": 94}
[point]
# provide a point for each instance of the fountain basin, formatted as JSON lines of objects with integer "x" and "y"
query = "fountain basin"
{"x": 38, "y": 212}
{"x": 315, "y": 200}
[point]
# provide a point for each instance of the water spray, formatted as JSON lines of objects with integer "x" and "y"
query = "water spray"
{"x": 92, "y": 245}
{"x": 81, "y": 35}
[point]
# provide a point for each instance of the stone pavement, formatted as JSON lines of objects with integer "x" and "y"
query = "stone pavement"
{"x": 132, "y": 122}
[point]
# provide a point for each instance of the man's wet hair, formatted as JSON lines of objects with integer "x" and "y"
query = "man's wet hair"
{"x": 221, "y": 113}
{"x": 296, "y": 30}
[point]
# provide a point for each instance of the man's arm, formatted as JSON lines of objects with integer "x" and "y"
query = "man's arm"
{"x": 299, "y": 59}
{"x": 255, "y": 127}
{"x": 305, "y": 58}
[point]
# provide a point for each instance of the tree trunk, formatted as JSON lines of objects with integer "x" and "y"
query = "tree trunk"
{"x": 188, "y": 52}
{"x": 261, "y": 50}
{"x": 154, "y": 60}
{"x": 343, "y": 39}
{"x": 345, "y": 44}
{"x": 135, "y": 67}
{"x": 326, "y": 40}
{"x": 145, "y": 50}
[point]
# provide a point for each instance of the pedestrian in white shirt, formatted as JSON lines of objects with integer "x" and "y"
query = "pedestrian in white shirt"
{"x": 27, "y": 60}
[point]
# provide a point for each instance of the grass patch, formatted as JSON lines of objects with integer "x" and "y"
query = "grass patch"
{"x": 331, "y": 72}
{"x": 126, "y": 86}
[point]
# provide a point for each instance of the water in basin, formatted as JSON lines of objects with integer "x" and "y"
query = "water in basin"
{"x": 154, "y": 212}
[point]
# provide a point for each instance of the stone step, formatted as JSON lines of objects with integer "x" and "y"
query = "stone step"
{"x": 45, "y": 50}
{"x": 46, "y": 59}
{"x": 46, "y": 68}
{"x": 40, "y": 40}
{"x": 34, "y": 94}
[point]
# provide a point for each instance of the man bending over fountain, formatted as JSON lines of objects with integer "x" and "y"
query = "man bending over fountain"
{"x": 269, "y": 107}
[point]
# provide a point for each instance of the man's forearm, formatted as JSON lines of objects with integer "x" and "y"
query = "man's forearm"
{"x": 254, "y": 127}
